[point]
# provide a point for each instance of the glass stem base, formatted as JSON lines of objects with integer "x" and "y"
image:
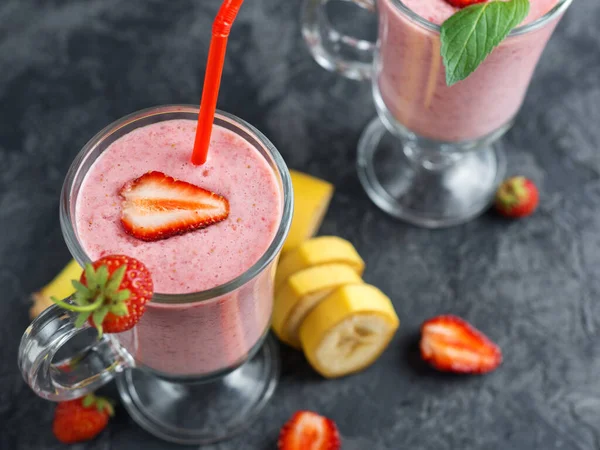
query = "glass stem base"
{"x": 201, "y": 412}
{"x": 431, "y": 188}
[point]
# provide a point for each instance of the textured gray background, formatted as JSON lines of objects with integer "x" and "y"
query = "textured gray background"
{"x": 68, "y": 68}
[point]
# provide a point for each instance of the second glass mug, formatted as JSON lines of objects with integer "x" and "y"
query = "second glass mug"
{"x": 200, "y": 389}
{"x": 432, "y": 156}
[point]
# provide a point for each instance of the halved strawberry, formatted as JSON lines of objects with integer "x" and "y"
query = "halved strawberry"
{"x": 157, "y": 206}
{"x": 307, "y": 430}
{"x": 451, "y": 344}
{"x": 464, "y": 3}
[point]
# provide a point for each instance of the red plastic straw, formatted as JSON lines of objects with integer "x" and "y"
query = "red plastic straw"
{"x": 212, "y": 79}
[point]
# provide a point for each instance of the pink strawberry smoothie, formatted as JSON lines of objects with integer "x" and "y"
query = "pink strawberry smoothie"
{"x": 411, "y": 76}
{"x": 437, "y": 11}
{"x": 199, "y": 337}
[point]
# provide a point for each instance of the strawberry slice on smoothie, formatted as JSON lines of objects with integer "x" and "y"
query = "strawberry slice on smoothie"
{"x": 157, "y": 206}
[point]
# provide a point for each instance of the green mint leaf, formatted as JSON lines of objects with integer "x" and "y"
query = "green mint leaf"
{"x": 470, "y": 35}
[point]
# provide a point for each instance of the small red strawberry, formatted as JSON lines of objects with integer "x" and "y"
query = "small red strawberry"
{"x": 451, "y": 344}
{"x": 307, "y": 430}
{"x": 111, "y": 294}
{"x": 157, "y": 206}
{"x": 464, "y": 3}
{"x": 517, "y": 197}
{"x": 82, "y": 419}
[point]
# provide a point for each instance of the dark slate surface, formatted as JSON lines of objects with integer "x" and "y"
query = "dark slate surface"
{"x": 69, "y": 67}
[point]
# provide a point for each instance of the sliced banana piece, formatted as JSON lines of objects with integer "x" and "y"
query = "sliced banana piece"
{"x": 348, "y": 330}
{"x": 302, "y": 292}
{"x": 315, "y": 252}
{"x": 311, "y": 200}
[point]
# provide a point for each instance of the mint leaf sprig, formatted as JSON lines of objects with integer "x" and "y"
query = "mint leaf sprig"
{"x": 470, "y": 35}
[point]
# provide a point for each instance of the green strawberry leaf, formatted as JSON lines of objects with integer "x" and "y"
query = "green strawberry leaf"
{"x": 81, "y": 318}
{"x": 90, "y": 277}
{"x": 119, "y": 309}
{"x": 470, "y": 35}
{"x": 88, "y": 400}
{"x": 80, "y": 299}
{"x": 80, "y": 288}
{"x": 122, "y": 295}
{"x": 116, "y": 279}
{"x": 98, "y": 317}
{"x": 102, "y": 275}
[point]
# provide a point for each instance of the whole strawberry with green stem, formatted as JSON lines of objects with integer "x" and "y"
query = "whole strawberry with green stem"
{"x": 517, "y": 197}
{"x": 111, "y": 294}
{"x": 81, "y": 419}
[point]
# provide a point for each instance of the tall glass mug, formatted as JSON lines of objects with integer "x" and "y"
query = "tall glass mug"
{"x": 432, "y": 156}
{"x": 178, "y": 378}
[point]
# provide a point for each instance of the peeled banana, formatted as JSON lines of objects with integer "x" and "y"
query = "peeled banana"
{"x": 348, "y": 330}
{"x": 311, "y": 200}
{"x": 302, "y": 292}
{"x": 60, "y": 287}
{"x": 315, "y": 252}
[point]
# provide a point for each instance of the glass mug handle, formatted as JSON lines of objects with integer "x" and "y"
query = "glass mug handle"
{"x": 335, "y": 51}
{"x": 53, "y": 335}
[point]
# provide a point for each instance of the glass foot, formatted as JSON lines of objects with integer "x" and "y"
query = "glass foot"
{"x": 433, "y": 190}
{"x": 201, "y": 412}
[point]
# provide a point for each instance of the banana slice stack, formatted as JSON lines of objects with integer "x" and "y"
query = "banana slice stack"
{"x": 323, "y": 307}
